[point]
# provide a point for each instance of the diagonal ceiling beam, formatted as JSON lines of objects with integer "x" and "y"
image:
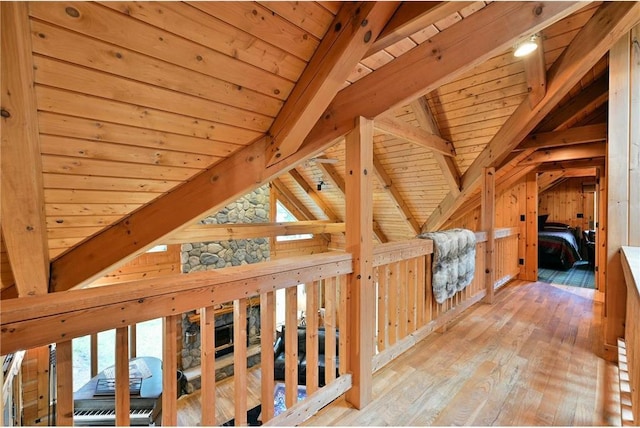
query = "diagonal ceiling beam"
{"x": 291, "y": 202}
{"x": 313, "y": 195}
{"x": 393, "y": 192}
{"x": 245, "y": 169}
{"x": 351, "y": 34}
{"x": 23, "y": 215}
{"x": 609, "y": 22}
{"x": 411, "y": 17}
{"x": 332, "y": 173}
{"x": 412, "y": 134}
{"x": 588, "y": 99}
{"x": 445, "y": 56}
{"x": 535, "y": 72}
{"x": 560, "y": 154}
{"x": 447, "y": 164}
{"x": 579, "y": 135}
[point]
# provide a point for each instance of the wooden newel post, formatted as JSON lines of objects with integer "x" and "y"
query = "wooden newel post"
{"x": 359, "y": 242}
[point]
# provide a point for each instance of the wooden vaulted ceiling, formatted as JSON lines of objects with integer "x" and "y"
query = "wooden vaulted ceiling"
{"x": 141, "y": 118}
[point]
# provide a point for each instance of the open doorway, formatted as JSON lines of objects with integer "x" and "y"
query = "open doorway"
{"x": 568, "y": 210}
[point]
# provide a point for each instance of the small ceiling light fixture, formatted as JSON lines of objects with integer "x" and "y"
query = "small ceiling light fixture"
{"x": 319, "y": 187}
{"x": 526, "y": 47}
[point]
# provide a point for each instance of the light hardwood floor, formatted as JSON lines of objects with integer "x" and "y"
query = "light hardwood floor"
{"x": 529, "y": 359}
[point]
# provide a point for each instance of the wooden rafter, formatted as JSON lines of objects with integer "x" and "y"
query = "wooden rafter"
{"x": 535, "y": 72}
{"x": 588, "y": 99}
{"x": 421, "y": 71}
{"x": 592, "y": 42}
{"x": 412, "y": 134}
{"x": 394, "y": 193}
{"x": 560, "y": 154}
{"x": 579, "y": 135}
{"x": 353, "y": 31}
{"x": 411, "y": 17}
{"x": 317, "y": 199}
{"x": 447, "y": 164}
{"x": 23, "y": 215}
{"x": 447, "y": 55}
{"x": 333, "y": 175}
{"x": 291, "y": 202}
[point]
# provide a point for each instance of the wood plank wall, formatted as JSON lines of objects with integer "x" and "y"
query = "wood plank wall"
{"x": 564, "y": 201}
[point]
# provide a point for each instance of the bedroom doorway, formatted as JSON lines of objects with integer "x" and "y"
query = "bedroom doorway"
{"x": 567, "y": 231}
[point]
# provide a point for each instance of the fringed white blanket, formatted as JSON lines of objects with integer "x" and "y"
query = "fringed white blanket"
{"x": 454, "y": 261}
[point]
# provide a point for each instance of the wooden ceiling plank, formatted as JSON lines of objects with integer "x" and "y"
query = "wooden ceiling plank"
{"x": 579, "y": 135}
{"x": 560, "y": 154}
{"x": 535, "y": 71}
{"x": 245, "y": 169}
{"x": 224, "y": 232}
{"x": 394, "y": 193}
{"x": 411, "y": 17}
{"x": 326, "y": 209}
{"x": 596, "y": 37}
{"x": 353, "y": 30}
{"x": 23, "y": 215}
{"x": 588, "y": 99}
{"x": 399, "y": 128}
{"x": 450, "y": 53}
{"x": 447, "y": 164}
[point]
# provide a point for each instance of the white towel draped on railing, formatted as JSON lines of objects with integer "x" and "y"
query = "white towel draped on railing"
{"x": 454, "y": 261}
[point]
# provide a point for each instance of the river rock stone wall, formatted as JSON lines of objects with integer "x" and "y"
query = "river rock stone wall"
{"x": 200, "y": 256}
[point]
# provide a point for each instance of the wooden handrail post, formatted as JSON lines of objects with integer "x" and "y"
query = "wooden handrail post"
{"x": 359, "y": 242}
{"x": 488, "y": 201}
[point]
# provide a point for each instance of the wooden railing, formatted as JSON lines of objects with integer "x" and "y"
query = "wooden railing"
{"x": 406, "y": 312}
{"x": 406, "y": 309}
{"x": 630, "y": 258}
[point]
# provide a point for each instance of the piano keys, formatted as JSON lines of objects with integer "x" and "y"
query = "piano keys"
{"x": 95, "y": 407}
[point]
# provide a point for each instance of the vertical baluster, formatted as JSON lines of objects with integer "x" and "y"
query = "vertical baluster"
{"x": 380, "y": 273}
{"x": 208, "y": 366}
{"x": 123, "y": 399}
{"x": 240, "y": 360}
{"x": 291, "y": 347}
{"x": 330, "y": 313}
{"x": 312, "y": 348}
{"x": 267, "y": 338}
{"x": 64, "y": 376}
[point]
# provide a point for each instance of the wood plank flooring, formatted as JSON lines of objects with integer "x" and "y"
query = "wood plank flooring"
{"x": 529, "y": 359}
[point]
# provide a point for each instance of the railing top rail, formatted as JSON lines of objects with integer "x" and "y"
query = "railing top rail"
{"x": 630, "y": 258}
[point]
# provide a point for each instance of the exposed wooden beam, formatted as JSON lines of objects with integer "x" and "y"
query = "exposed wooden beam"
{"x": 447, "y": 164}
{"x": 579, "y": 135}
{"x": 412, "y": 134}
{"x": 588, "y": 99}
{"x": 333, "y": 174}
{"x": 359, "y": 243}
{"x": 326, "y": 209}
{"x": 22, "y": 195}
{"x": 353, "y": 31}
{"x": 488, "y": 224}
{"x": 447, "y": 55}
{"x": 392, "y": 191}
{"x": 547, "y": 180}
{"x": 609, "y": 22}
{"x": 224, "y": 232}
{"x": 573, "y": 164}
{"x": 411, "y": 17}
{"x": 535, "y": 72}
{"x": 489, "y": 31}
{"x": 560, "y": 154}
